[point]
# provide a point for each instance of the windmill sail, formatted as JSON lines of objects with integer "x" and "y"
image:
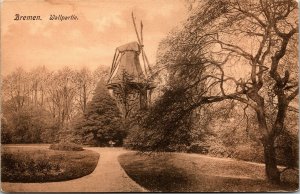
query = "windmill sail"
{"x": 129, "y": 81}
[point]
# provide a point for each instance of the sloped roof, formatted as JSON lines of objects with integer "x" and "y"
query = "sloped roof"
{"x": 132, "y": 46}
{"x": 126, "y": 64}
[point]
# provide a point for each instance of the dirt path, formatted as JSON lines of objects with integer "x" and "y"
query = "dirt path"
{"x": 108, "y": 176}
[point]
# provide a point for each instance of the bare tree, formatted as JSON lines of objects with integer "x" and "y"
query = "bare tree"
{"x": 16, "y": 88}
{"x": 57, "y": 95}
{"x": 85, "y": 85}
{"x": 240, "y": 50}
{"x": 38, "y": 79}
{"x": 61, "y": 94}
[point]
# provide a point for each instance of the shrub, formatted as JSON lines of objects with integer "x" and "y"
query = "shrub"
{"x": 217, "y": 149}
{"x": 248, "y": 152}
{"x": 63, "y": 146}
{"x": 199, "y": 148}
{"x": 43, "y": 165}
{"x": 23, "y": 166}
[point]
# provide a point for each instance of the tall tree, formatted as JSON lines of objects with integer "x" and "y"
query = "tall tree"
{"x": 102, "y": 121}
{"x": 84, "y": 87}
{"x": 38, "y": 79}
{"x": 61, "y": 94}
{"x": 239, "y": 50}
{"x": 16, "y": 88}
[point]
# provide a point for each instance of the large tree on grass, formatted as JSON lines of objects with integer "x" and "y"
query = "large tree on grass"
{"x": 102, "y": 121}
{"x": 244, "y": 51}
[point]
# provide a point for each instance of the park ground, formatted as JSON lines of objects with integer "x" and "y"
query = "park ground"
{"x": 181, "y": 172}
{"x": 108, "y": 176}
{"x": 120, "y": 170}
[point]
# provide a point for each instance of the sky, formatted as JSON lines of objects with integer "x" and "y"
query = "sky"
{"x": 91, "y": 40}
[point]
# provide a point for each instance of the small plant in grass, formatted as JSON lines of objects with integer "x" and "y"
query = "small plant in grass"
{"x": 25, "y": 167}
{"x": 65, "y": 146}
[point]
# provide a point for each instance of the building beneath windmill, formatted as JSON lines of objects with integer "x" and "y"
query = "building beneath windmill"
{"x": 130, "y": 81}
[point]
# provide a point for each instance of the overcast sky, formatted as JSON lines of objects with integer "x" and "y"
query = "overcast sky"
{"x": 90, "y": 41}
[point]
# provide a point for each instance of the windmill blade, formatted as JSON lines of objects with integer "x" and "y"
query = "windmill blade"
{"x": 114, "y": 65}
{"x": 143, "y": 53}
{"x": 147, "y": 62}
{"x": 136, "y": 32}
{"x": 142, "y": 41}
{"x": 144, "y": 56}
{"x": 145, "y": 68}
{"x": 113, "y": 62}
{"x": 147, "y": 65}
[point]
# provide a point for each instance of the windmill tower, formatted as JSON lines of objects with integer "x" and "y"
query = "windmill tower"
{"x": 130, "y": 82}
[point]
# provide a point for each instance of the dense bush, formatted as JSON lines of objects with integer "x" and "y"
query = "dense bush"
{"x": 139, "y": 139}
{"x": 248, "y": 152}
{"x": 63, "y": 146}
{"x": 200, "y": 148}
{"x": 102, "y": 121}
{"x": 165, "y": 126}
{"x": 218, "y": 150}
{"x": 27, "y": 164}
{"x": 30, "y": 124}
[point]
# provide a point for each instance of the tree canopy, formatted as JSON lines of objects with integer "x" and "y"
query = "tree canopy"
{"x": 244, "y": 51}
{"x": 102, "y": 121}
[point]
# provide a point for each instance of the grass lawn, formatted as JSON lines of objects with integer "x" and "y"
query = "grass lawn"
{"x": 178, "y": 172}
{"x": 40, "y": 164}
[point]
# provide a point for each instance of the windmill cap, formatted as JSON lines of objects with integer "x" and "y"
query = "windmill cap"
{"x": 132, "y": 46}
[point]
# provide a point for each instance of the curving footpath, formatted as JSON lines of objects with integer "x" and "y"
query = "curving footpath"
{"x": 108, "y": 176}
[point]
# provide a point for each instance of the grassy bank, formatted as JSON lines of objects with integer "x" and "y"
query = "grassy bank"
{"x": 177, "y": 172}
{"x": 40, "y": 164}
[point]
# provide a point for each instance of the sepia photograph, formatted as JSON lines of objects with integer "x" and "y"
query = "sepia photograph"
{"x": 149, "y": 96}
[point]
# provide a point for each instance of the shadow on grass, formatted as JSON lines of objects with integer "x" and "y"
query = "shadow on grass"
{"x": 181, "y": 173}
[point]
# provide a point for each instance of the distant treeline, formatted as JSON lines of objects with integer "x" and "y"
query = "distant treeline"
{"x": 38, "y": 106}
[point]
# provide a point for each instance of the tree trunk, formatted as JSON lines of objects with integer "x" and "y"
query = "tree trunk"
{"x": 84, "y": 98}
{"x": 272, "y": 171}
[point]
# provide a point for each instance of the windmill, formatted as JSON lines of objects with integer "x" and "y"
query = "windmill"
{"x": 129, "y": 82}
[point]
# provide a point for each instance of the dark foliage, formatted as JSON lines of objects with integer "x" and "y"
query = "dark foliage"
{"x": 102, "y": 121}
{"x": 166, "y": 126}
{"x": 31, "y": 124}
{"x": 42, "y": 165}
{"x": 218, "y": 37}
